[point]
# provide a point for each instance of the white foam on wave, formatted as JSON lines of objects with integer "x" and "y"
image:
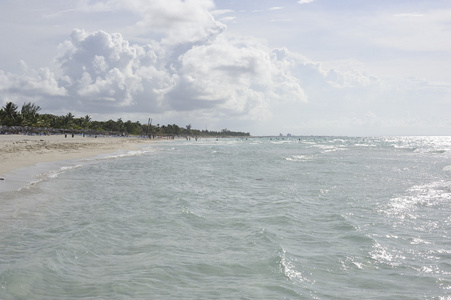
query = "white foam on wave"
{"x": 48, "y": 175}
{"x": 299, "y": 158}
{"x": 54, "y": 174}
{"x": 428, "y": 150}
{"x": 281, "y": 142}
{"x": 383, "y": 255}
{"x": 127, "y": 154}
{"x": 418, "y": 207}
{"x": 420, "y": 195}
{"x": 350, "y": 262}
{"x": 339, "y": 141}
{"x": 432, "y": 145}
{"x": 331, "y": 148}
{"x": 405, "y": 147}
{"x": 418, "y": 241}
{"x": 27, "y": 178}
{"x": 288, "y": 269}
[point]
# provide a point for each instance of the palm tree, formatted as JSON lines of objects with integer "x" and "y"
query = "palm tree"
{"x": 2, "y": 115}
{"x": 69, "y": 120}
{"x": 9, "y": 115}
{"x": 30, "y": 114}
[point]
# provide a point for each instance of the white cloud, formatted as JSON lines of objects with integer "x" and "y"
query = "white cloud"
{"x": 180, "y": 21}
{"x": 234, "y": 76}
{"x": 237, "y": 77}
{"x": 30, "y": 83}
{"x": 97, "y": 70}
{"x": 305, "y": 1}
{"x": 227, "y": 19}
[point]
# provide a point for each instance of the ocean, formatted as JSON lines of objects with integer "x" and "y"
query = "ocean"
{"x": 248, "y": 218}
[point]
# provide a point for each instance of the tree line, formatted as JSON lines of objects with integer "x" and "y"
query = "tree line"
{"x": 29, "y": 117}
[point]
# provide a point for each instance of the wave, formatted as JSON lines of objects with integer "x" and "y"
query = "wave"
{"x": 435, "y": 145}
{"x": 300, "y": 158}
{"x": 428, "y": 150}
{"x": 288, "y": 269}
{"x": 383, "y": 255}
{"x": 127, "y": 154}
{"x": 330, "y": 148}
{"x": 48, "y": 175}
{"x": 282, "y": 142}
{"x": 426, "y": 195}
{"x": 27, "y": 178}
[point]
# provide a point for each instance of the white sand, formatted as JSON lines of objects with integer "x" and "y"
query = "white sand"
{"x": 20, "y": 151}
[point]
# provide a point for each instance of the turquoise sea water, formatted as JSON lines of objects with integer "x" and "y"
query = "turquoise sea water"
{"x": 256, "y": 218}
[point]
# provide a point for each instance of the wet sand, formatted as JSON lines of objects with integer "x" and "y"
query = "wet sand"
{"x": 21, "y": 151}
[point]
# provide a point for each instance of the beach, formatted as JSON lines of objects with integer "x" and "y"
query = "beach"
{"x": 21, "y": 151}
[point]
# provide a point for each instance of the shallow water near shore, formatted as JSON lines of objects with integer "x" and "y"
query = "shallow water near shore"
{"x": 256, "y": 218}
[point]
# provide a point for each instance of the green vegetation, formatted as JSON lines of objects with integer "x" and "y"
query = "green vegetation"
{"x": 29, "y": 119}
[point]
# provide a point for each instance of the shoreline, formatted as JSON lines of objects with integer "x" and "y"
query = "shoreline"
{"x": 23, "y": 151}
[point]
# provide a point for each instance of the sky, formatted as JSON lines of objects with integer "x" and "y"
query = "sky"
{"x": 304, "y": 67}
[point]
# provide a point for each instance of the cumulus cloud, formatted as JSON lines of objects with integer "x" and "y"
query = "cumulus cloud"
{"x": 31, "y": 82}
{"x": 238, "y": 78}
{"x": 194, "y": 67}
{"x": 102, "y": 71}
{"x": 178, "y": 21}
{"x": 221, "y": 15}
